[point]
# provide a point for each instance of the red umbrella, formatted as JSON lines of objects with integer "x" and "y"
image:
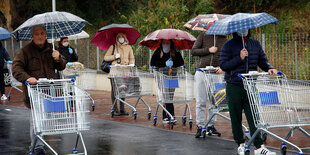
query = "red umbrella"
{"x": 181, "y": 39}
{"x": 105, "y": 37}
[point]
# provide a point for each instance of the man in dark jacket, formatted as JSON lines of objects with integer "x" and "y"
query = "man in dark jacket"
{"x": 241, "y": 56}
{"x": 36, "y": 60}
{"x": 208, "y": 55}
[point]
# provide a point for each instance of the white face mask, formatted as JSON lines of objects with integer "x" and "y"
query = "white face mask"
{"x": 243, "y": 33}
{"x": 66, "y": 44}
{"x": 121, "y": 40}
{"x": 166, "y": 48}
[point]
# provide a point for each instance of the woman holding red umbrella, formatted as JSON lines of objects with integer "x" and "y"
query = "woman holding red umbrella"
{"x": 167, "y": 55}
{"x": 119, "y": 53}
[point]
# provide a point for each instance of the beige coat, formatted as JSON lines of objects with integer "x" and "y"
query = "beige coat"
{"x": 126, "y": 54}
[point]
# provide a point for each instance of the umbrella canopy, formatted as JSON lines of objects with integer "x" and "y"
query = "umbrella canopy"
{"x": 105, "y": 37}
{"x": 81, "y": 35}
{"x": 57, "y": 25}
{"x": 239, "y": 22}
{"x": 181, "y": 39}
{"x": 4, "y": 34}
{"x": 203, "y": 22}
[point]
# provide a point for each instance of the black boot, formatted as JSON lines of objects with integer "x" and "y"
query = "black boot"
{"x": 122, "y": 108}
{"x": 198, "y": 134}
{"x": 212, "y": 131}
{"x": 123, "y": 112}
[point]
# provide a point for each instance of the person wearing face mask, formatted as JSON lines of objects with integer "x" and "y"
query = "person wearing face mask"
{"x": 167, "y": 55}
{"x": 242, "y": 54}
{"x": 66, "y": 50}
{"x": 207, "y": 49}
{"x": 120, "y": 53}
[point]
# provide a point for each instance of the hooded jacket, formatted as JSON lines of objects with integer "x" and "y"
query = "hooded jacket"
{"x": 232, "y": 64}
{"x": 33, "y": 61}
{"x": 201, "y": 49}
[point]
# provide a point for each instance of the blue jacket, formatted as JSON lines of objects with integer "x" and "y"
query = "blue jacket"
{"x": 231, "y": 63}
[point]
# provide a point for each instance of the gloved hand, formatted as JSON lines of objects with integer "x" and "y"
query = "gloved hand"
{"x": 117, "y": 55}
{"x": 70, "y": 63}
{"x": 70, "y": 50}
{"x": 9, "y": 62}
{"x": 169, "y": 63}
{"x": 131, "y": 65}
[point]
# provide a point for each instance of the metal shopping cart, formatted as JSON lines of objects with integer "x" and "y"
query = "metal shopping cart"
{"x": 129, "y": 82}
{"x": 277, "y": 102}
{"x": 174, "y": 85}
{"x": 83, "y": 79}
{"x": 59, "y": 107}
{"x": 216, "y": 91}
{"x": 11, "y": 80}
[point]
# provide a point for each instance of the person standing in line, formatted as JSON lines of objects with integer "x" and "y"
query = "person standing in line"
{"x": 240, "y": 55}
{"x": 36, "y": 60}
{"x": 120, "y": 53}
{"x": 4, "y": 56}
{"x": 165, "y": 57}
{"x": 208, "y": 53}
{"x": 66, "y": 50}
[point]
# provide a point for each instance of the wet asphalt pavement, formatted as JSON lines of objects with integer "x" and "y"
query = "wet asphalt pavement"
{"x": 109, "y": 138}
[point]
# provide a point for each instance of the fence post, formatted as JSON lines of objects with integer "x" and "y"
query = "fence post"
{"x": 87, "y": 53}
{"x": 12, "y": 42}
{"x": 150, "y": 56}
{"x": 296, "y": 67}
{"x": 97, "y": 59}
{"x": 263, "y": 42}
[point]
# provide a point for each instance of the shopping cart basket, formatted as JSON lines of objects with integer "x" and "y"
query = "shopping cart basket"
{"x": 11, "y": 80}
{"x": 277, "y": 102}
{"x": 82, "y": 79}
{"x": 174, "y": 88}
{"x": 129, "y": 82}
{"x": 59, "y": 107}
{"x": 216, "y": 91}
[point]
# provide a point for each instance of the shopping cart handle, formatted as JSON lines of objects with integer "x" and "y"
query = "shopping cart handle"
{"x": 240, "y": 75}
{"x": 72, "y": 79}
{"x": 26, "y": 82}
{"x": 279, "y": 72}
{"x": 8, "y": 62}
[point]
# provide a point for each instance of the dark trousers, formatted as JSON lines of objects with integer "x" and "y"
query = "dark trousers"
{"x": 237, "y": 101}
{"x": 168, "y": 95}
{"x": 121, "y": 104}
{"x": 2, "y": 85}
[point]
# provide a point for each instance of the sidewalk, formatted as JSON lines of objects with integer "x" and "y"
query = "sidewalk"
{"x": 102, "y": 111}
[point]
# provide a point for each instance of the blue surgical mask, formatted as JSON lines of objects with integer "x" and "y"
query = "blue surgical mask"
{"x": 243, "y": 33}
{"x": 166, "y": 48}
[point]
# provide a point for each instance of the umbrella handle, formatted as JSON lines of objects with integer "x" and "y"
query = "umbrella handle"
{"x": 170, "y": 71}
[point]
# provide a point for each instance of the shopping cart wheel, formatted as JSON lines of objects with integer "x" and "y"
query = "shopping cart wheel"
{"x": 264, "y": 137}
{"x": 184, "y": 120}
{"x": 204, "y": 133}
{"x": 135, "y": 116}
{"x": 190, "y": 124}
{"x": 149, "y": 115}
{"x": 247, "y": 152}
{"x": 155, "y": 121}
{"x": 283, "y": 150}
{"x": 75, "y": 151}
{"x": 93, "y": 107}
{"x": 171, "y": 125}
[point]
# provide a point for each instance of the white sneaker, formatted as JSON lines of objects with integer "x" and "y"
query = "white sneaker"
{"x": 3, "y": 97}
{"x": 166, "y": 121}
{"x": 263, "y": 151}
{"x": 241, "y": 149}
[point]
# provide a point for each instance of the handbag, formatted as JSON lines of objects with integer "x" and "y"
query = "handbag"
{"x": 105, "y": 65}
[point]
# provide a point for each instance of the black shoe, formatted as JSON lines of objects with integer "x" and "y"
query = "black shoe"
{"x": 39, "y": 152}
{"x": 117, "y": 113}
{"x": 198, "y": 134}
{"x": 212, "y": 131}
{"x": 123, "y": 112}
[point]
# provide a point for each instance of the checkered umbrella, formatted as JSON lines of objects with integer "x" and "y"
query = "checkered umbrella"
{"x": 204, "y": 21}
{"x": 57, "y": 25}
{"x": 239, "y": 22}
